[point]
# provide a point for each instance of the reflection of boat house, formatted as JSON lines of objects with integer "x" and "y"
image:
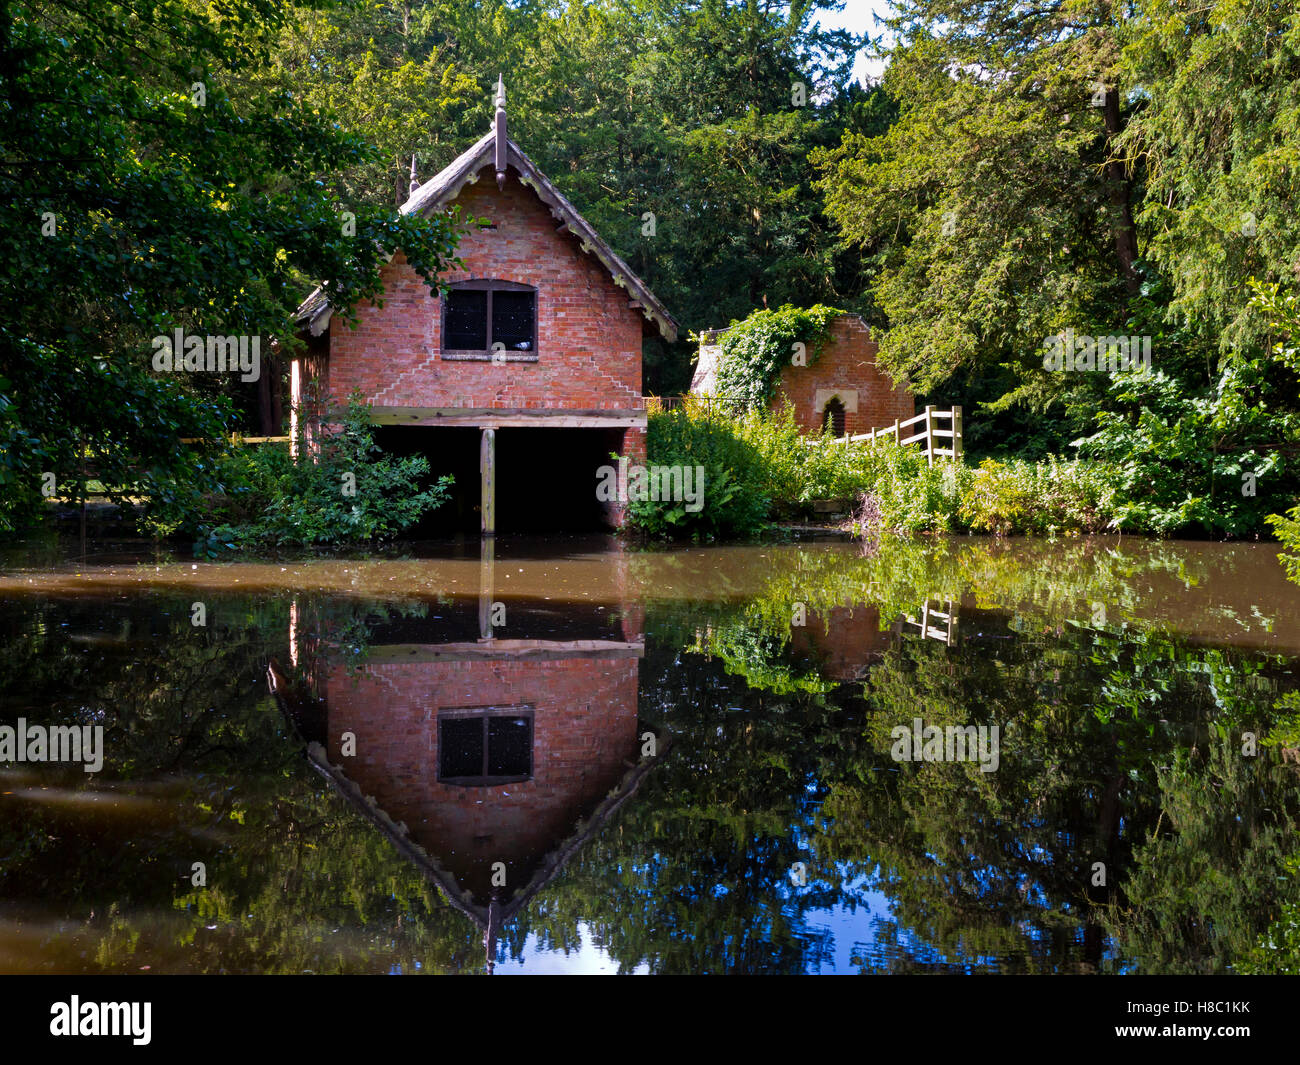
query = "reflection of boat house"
{"x": 487, "y": 762}
{"x": 843, "y": 641}
{"x": 532, "y": 359}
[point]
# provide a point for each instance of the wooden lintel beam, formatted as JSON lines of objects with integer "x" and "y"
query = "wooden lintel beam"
{"x": 509, "y": 417}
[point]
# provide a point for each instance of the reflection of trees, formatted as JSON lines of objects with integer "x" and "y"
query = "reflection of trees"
{"x": 695, "y": 875}
{"x": 999, "y": 865}
{"x": 1118, "y": 745}
{"x": 1202, "y": 891}
{"x": 202, "y": 770}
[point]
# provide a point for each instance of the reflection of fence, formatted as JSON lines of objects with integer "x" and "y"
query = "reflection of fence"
{"x": 931, "y": 435}
{"x": 944, "y": 633}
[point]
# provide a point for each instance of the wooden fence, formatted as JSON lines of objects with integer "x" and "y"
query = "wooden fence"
{"x": 931, "y": 434}
{"x": 940, "y": 430}
{"x": 655, "y": 404}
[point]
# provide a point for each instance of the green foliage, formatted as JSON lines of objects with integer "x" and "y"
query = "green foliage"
{"x": 1282, "y": 313}
{"x": 1048, "y": 497}
{"x": 986, "y": 208}
{"x": 142, "y": 194}
{"x": 752, "y": 353}
{"x": 898, "y": 492}
{"x": 1210, "y": 460}
{"x": 348, "y": 492}
{"x": 734, "y": 501}
{"x": 907, "y": 496}
{"x": 799, "y": 469}
{"x": 1107, "y": 169}
{"x": 1215, "y": 123}
{"x": 1287, "y": 529}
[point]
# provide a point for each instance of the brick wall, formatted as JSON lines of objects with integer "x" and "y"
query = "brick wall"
{"x": 584, "y": 733}
{"x": 588, "y": 337}
{"x": 847, "y": 367}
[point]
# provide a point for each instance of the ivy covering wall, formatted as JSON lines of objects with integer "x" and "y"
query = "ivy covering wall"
{"x": 754, "y": 351}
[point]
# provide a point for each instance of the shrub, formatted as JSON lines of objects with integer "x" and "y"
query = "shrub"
{"x": 908, "y": 494}
{"x": 761, "y": 459}
{"x": 1040, "y": 497}
{"x": 1184, "y": 452}
{"x": 350, "y": 494}
{"x": 735, "y": 500}
{"x": 1287, "y": 529}
{"x": 798, "y": 469}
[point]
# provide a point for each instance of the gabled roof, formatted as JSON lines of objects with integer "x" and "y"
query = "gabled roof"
{"x": 441, "y": 190}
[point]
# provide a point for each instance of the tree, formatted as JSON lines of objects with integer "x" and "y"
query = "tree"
{"x": 140, "y": 197}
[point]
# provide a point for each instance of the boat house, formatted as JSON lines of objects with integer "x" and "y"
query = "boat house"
{"x": 526, "y": 377}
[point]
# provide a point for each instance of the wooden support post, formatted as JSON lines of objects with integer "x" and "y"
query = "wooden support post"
{"x": 486, "y": 586}
{"x": 897, "y": 434}
{"x": 487, "y": 465}
{"x": 956, "y": 434}
{"x": 929, "y": 435}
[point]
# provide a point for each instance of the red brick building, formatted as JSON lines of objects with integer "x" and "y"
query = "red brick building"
{"x": 535, "y": 351}
{"x": 843, "y": 386}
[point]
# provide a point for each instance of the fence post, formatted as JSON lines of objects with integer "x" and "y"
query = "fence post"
{"x": 897, "y": 435}
{"x": 929, "y": 435}
{"x": 956, "y": 434}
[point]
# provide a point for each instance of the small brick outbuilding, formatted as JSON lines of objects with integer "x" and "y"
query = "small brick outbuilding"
{"x": 843, "y": 386}
{"x": 535, "y": 352}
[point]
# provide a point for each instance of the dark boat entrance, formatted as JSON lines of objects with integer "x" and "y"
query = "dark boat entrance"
{"x": 545, "y": 479}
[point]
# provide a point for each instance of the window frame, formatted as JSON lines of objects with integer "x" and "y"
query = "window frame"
{"x": 488, "y": 285}
{"x": 485, "y": 714}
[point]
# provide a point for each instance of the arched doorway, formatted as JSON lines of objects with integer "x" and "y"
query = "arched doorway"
{"x": 833, "y": 416}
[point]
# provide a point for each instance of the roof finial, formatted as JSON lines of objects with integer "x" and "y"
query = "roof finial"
{"x": 499, "y": 126}
{"x": 415, "y": 181}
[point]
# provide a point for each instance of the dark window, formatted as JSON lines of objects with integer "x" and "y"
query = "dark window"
{"x": 833, "y": 417}
{"x": 478, "y": 315}
{"x": 482, "y": 747}
{"x": 466, "y": 322}
{"x": 512, "y": 320}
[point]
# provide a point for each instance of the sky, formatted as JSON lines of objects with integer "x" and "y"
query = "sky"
{"x": 859, "y": 17}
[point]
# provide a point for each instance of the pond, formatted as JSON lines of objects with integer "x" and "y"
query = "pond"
{"x": 944, "y": 756}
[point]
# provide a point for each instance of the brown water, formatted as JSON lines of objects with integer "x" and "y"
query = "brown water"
{"x": 571, "y": 756}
